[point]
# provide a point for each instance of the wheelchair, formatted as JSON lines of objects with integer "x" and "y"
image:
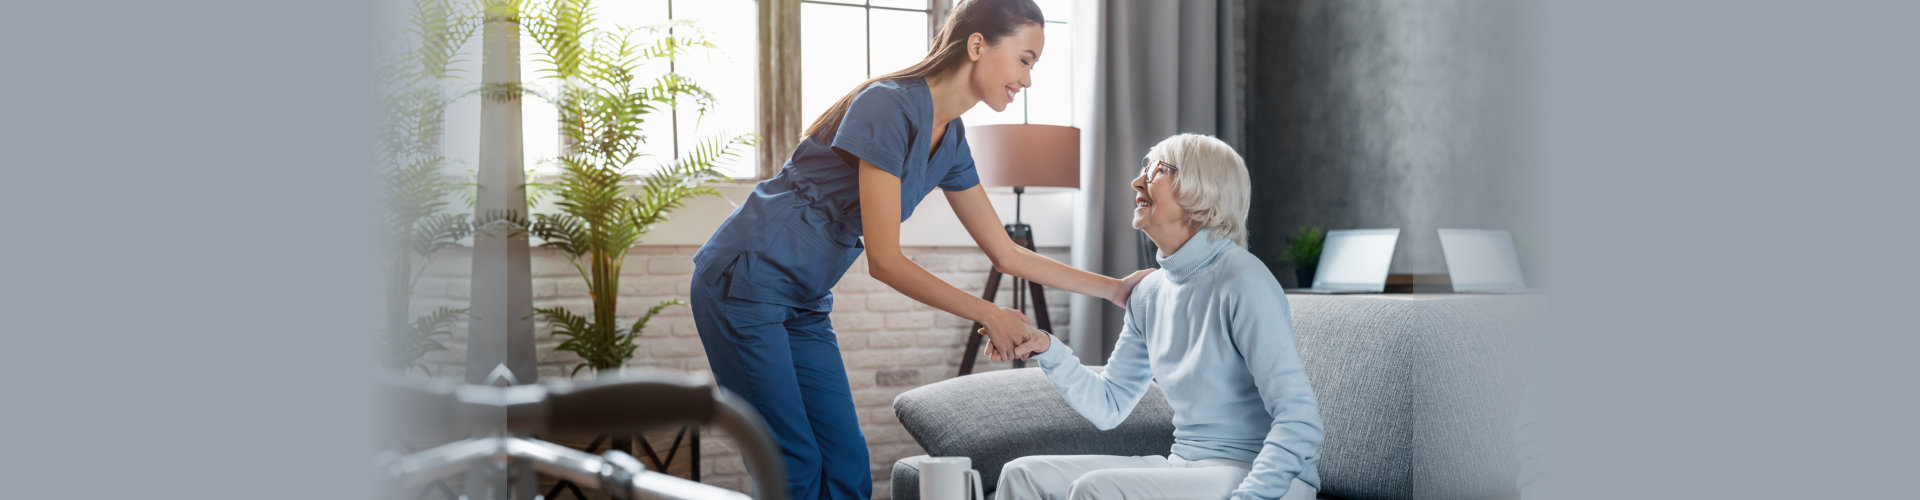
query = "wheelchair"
{"x": 500, "y": 457}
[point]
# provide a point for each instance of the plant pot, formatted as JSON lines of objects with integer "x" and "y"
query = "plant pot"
{"x": 1304, "y": 277}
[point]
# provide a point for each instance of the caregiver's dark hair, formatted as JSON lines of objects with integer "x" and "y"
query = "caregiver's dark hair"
{"x": 992, "y": 19}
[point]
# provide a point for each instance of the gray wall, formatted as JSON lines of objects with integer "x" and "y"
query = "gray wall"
{"x": 1369, "y": 114}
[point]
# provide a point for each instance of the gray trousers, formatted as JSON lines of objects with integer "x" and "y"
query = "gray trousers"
{"x": 1083, "y": 477}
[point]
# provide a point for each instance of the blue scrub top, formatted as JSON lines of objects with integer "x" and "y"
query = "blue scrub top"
{"x": 799, "y": 232}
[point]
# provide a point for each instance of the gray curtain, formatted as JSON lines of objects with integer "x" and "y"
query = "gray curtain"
{"x": 1388, "y": 114}
{"x": 1160, "y": 68}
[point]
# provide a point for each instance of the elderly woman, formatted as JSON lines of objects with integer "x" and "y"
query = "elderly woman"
{"x": 1213, "y": 328}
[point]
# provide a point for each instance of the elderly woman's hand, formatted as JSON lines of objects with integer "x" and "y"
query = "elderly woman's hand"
{"x": 1119, "y": 297}
{"x": 1038, "y": 343}
{"x": 1007, "y": 329}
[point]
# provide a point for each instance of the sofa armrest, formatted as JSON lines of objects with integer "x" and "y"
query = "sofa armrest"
{"x": 906, "y": 478}
{"x": 974, "y": 416}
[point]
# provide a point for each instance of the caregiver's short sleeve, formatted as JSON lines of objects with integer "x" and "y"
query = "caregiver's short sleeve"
{"x": 963, "y": 176}
{"x": 876, "y": 129}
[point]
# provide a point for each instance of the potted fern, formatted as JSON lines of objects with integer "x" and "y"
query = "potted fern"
{"x": 416, "y": 187}
{"x": 1303, "y": 251}
{"x": 416, "y": 229}
{"x": 603, "y": 208}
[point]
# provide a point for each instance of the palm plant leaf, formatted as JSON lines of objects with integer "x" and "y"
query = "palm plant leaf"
{"x": 442, "y": 29}
{"x": 669, "y": 88}
{"x": 668, "y": 188}
{"x": 581, "y": 335}
{"x": 407, "y": 344}
{"x": 562, "y": 36}
{"x": 561, "y": 232}
{"x": 641, "y": 324}
{"x": 440, "y": 231}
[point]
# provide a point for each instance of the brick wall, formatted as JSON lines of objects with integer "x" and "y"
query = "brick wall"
{"x": 889, "y": 342}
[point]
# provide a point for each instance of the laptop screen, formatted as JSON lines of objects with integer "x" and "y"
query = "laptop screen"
{"x": 1480, "y": 260}
{"x": 1356, "y": 259}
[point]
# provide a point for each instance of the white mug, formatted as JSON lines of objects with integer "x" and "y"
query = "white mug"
{"x": 945, "y": 478}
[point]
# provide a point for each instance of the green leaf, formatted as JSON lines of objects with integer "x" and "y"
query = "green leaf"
{"x": 1303, "y": 248}
{"x": 641, "y": 324}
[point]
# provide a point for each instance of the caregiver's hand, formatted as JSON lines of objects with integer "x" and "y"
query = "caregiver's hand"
{"x": 1037, "y": 344}
{"x": 1007, "y": 329}
{"x": 1119, "y": 297}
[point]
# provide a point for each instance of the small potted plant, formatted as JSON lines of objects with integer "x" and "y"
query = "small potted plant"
{"x": 1303, "y": 251}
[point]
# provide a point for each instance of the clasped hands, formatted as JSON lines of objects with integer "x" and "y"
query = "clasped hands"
{"x": 1013, "y": 336}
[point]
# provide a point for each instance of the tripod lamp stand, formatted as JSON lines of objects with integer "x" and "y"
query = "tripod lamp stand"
{"x": 1022, "y": 157}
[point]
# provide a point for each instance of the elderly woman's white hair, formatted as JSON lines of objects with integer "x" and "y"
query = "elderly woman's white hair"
{"x": 1212, "y": 183}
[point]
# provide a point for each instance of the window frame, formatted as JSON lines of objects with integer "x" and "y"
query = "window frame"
{"x": 759, "y": 171}
{"x": 781, "y": 121}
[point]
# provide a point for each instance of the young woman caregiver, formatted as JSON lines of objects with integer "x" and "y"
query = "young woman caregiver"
{"x": 761, "y": 286}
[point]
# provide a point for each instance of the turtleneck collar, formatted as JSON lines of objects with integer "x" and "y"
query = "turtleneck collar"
{"x": 1195, "y": 255}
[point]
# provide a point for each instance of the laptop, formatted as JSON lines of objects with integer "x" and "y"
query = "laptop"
{"x": 1354, "y": 261}
{"x": 1482, "y": 261}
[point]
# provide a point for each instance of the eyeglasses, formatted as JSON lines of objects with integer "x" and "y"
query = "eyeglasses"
{"x": 1157, "y": 169}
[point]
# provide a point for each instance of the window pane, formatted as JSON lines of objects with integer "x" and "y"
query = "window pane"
{"x": 628, "y": 13}
{"x": 899, "y": 39}
{"x": 461, "y": 143}
{"x": 903, "y": 4}
{"x": 656, "y": 127}
{"x": 1052, "y": 91}
{"x": 833, "y": 55}
{"x": 729, "y": 73}
{"x": 848, "y": 2}
{"x": 539, "y": 119}
{"x": 539, "y": 132}
{"x": 1056, "y": 10}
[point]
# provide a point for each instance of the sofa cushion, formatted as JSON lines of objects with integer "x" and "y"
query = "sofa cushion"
{"x": 999, "y": 416}
{"x": 1418, "y": 394}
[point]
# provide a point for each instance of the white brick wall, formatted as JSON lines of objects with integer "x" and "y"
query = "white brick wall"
{"x": 890, "y": 343}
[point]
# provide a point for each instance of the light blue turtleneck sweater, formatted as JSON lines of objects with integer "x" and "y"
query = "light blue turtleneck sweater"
{"x": 1212, "y": 327}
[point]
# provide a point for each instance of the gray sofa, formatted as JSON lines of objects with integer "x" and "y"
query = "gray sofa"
{"x": 1418, "y": 394}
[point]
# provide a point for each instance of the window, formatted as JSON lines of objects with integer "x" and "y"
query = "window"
{"x": 845, "y": 42}
{"x": 728, "y": 73}
{"x": 842, "y": 43}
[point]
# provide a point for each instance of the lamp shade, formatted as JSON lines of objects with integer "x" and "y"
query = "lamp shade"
{"x": 1026, "y": 155}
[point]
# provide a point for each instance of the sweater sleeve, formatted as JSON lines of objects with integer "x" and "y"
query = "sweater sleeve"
{"x": 1103, "y": 398}
{"x": 1262, "y": 330}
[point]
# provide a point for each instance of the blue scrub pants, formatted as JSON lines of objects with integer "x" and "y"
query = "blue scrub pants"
{"x": 786, "y": 361}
